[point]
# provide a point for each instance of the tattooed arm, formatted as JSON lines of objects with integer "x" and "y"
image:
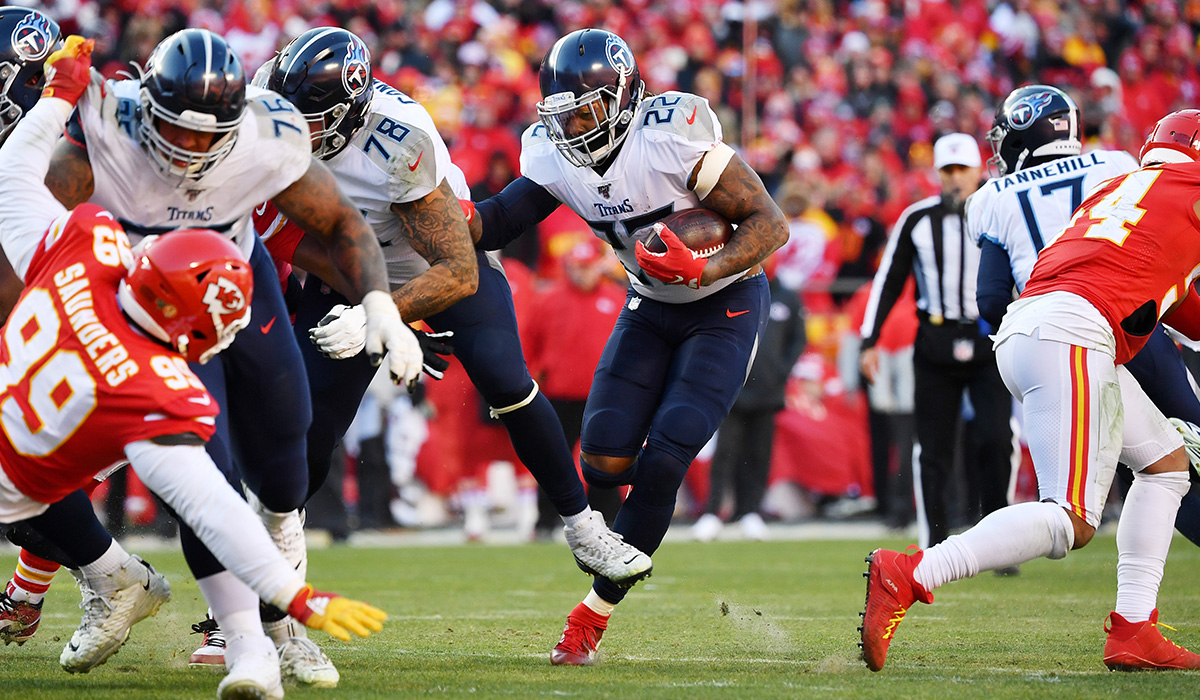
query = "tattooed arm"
{"x": 339, "y": 245}
{"x": 740, "y": 197}
{"x": 438, "y": 232}
{"x": 70, "y": 176}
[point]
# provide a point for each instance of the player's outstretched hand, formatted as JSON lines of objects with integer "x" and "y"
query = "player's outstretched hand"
{"x": 678, "y": 265}
{"x": 68, "y": 70}
{"x": 336, "y": 615}
{"x": 342, "y": 333}
{"x": 386, "y": 333}
{"x": 435, "y": 347}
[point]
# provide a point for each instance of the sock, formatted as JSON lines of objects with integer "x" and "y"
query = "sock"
{"x": 99, "y": 573}
{"x": 226, "y": 595}
{"x": 32, "y": 578}
{"x": 598, "y": 605}
{"x": 537, "y": 438}
{"x": 573, "y": 520}
{"x": 1143, "y": 540}
{"x": 1006, "y": 537}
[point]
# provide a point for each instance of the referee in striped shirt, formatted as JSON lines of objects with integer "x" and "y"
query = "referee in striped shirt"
{"x": 952, "y": 351}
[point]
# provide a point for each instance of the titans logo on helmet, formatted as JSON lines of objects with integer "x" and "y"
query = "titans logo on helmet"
{"x": 1028, "y": 109}
{"x": 31, "y": 37}
{"x": 355, "y": 69}
{"x": 620, "y": 57}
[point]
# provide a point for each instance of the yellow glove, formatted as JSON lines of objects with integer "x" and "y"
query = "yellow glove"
{"x": 335, "y": 614}
{"x": 68, "y": 70}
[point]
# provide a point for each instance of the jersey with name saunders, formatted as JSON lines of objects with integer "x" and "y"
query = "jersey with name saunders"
{"x": 396, "y": 156}
{"x": 646, "y": 181}
{"x": 272, "y": 151}
{"x": 77, "y": 382}
{"x": 1131, "y": 250}
{"x": 1023, "y": 212}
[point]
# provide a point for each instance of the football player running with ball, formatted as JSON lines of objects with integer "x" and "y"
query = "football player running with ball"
{"x": 1126, "y": 260}
{"x": 95, "y": 357}
{"x": 388, "y": 157}
{"x": 682, "y": 345}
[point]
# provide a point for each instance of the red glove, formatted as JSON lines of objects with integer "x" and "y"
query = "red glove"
{"x": 468, "y": 208}
{"x": 679, "y": 265}
{"x": 68, "y": 70}
{"x": 335, "y": 614}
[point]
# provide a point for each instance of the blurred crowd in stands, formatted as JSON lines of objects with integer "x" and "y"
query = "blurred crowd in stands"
{"x": 835, "y": 103}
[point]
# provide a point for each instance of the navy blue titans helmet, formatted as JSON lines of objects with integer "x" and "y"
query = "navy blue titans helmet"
{"x": 1035, "y": 123}
{"x": 326, "y": 73}
{"x": 26, "y": 38}
{"x": 192, "y": 80}
{"x": 591, "y": 87}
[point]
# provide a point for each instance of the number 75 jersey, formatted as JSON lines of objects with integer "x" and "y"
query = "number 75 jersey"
{"x": 77, "y": 381}
{"x": 1023, "y": 212}
{"x": 1132, "y": 250}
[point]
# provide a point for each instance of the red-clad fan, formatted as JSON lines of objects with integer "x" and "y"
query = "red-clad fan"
{"x": 1126, "y": 260}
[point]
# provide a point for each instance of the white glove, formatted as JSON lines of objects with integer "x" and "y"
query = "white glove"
{"x": 387, "y": 332}
{"x": 342, "y": 332}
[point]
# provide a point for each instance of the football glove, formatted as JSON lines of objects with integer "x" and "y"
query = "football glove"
{"x": 342, "y": 333}
{"x": 386, "y": 333}
{"x": 68, "y": 70}
{"x": 678, "y": 265}
{"x": 435, "y": 347}
{"x": 1191, "y": 440}
{"x": 336, "y": 615}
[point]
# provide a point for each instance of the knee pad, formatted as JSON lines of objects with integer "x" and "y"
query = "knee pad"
{"x": 1062, "y": 534}
{"x": 495, "y": 412}
{"x": 604, "y": 480}
{"x": 683, "y": 430}
{"x": 1178, "y": 483}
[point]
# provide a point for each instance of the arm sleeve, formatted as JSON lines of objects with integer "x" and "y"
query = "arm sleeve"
{"x": 1185, "y": 317}
{"x": 27, "y": 208}
{"x": 520, "y": 206}
{"x": 993, "y": 291}
{"x": 185, "y": 477}
{"x": 889, "y": 281}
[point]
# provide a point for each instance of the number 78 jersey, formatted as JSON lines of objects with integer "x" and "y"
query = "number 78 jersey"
{"x": 77, "y": 382}
{"x": 1023, "y": 212}
{"x": 1131, "y": 250}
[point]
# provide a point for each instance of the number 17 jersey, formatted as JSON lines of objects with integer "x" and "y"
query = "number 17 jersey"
{"x": 1023, "y": 212}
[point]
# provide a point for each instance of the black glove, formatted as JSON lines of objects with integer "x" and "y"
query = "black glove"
{"x": 435, "y": 347}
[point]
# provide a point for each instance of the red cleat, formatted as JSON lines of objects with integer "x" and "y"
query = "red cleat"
{"x": 580, "y": 638}
{"x": 18, "y": 620}
{"x": 1139, "y": 646}
{"x": 891, "y": 590}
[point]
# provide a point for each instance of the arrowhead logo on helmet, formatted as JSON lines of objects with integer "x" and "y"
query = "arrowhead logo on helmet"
{"x": 223, "y": 297}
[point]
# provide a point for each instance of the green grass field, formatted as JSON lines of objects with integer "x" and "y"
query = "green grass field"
{"x": 721, "y": 620}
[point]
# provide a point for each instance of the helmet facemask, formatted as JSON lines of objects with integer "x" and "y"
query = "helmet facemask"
{"x": 177, "y": 164}
{"x": 562, "y": 113}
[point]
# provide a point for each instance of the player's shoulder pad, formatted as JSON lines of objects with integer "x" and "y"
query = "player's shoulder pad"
{"x": 277, "y": 119}
{"x": 683, "y": 114}
{"x": 975, "y": 209}
{"x": 1121, "y": 161}
{"x": 540, "y": 160}
{"x": 402, "y": 149}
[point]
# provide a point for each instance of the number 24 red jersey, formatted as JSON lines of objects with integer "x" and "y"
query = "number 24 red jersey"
{"x": 77, "y": 381}
{"x": 1132, "y": 250}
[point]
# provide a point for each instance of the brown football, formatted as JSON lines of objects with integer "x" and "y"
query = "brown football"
{"x": 702, "y": 230}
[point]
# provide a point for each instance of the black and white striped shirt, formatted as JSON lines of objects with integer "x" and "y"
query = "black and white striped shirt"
{"x": 930, "y": 242}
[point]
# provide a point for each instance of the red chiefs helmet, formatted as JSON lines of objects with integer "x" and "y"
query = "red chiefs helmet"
{"x": 1174, "y": 139}
{"x": 190, "y": 289}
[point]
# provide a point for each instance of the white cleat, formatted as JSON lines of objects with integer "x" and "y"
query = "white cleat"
{"x": 707, "y": 527}
{"x": 140, "y": 591}
{"x": 753, "y": 527}
{"x": 601, "y": 552}
{"x": 303, "y": 661}
{"x": 253, "y": 670}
